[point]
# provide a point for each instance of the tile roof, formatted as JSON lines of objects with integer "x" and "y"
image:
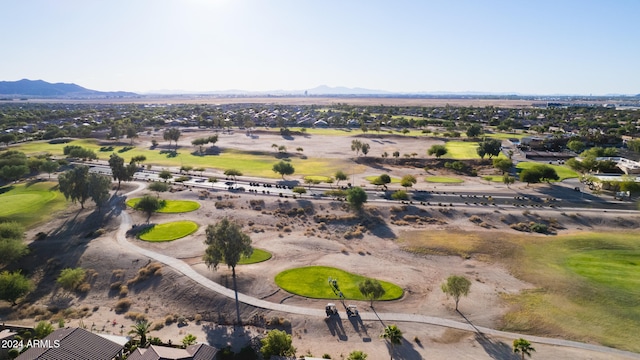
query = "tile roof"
{"x": 193, "y": 352}
{"x": 74, "y": 344}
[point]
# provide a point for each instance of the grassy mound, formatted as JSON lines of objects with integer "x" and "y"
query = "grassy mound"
{"x": 169, "y": 231}
{"x": 312, "y": 282}
{"x": 443, "y": 179}
{"x": 587, "y": 284}
{"x": 257, "y": 256}
{"x": 29, "y": 204}
{"x": 171, "y": 206}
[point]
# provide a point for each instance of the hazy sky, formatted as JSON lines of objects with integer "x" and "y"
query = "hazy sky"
{"x": 524, "y": 46}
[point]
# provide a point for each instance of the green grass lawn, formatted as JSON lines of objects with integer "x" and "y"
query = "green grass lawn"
{"x": 29, "y": 204}
{"x": 257, "y": 256}
{"x": 249, "y": 163}
{"x": 171, "y": 206}
{"x": 169, "y": 231}
{"x": 586, "y": 285}
{"x": 494, "y": 178}
{"x": 463, "y": 150}
{"x": 318, "y": 178}
{"x": 442, "y": 179}
{"x": 562, "y": 171}
{"x": 312, "y": 282}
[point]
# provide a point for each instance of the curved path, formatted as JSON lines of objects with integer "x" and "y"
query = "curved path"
{"x": 186, "y": 270}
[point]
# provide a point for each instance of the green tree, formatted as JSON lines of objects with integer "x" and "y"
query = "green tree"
{"x": 340, "y": 176}
{"x": 356, "y": 145}
{"x": 158, "y": 187}
{"x": 437, "y": 150}
{"x": 13, "y": 172}
{"x": 490, "y": 147}
{"x": 576, "y": 146}
{"x": 49, "y": 167}
{"x": 356, "y": 197}
{"x": 172, "y": 135}
{"x": 357, "y": 355}
{"x": 508, "y": 180}
{"x": 14, "y": 285}
{"x": 503, "y": 165}
{"x": 69, "y": 279}
{"x": 522, "y": 347}
{"x": 456, "y": 286}
{"x": 7, "y": 139}
{"x": 12, "y": 250}
{"x": 382, "y": 180}
{"x": 119, "y": 170}
{"x": 371, "y": 289}
{"x": 188, "y": 340}
{"x": 400, "y": 195}
{"x": 227, "y": 243}
{"x": 233, "y": 172}
{"x": 12, "y": 245}
{"x": 132, "y": 133}
{"x": 408, "y": 180}
{"x": 277, "y": 343}
{"x": 474, "y": 130}
{"x": 140, "y": 329}
{"x": 149, "y": 204}
{"x": 283, "y": 168}
{"x": 393, "y": 335}
{"x": 200, "y": 142}
{"x": 165, "y": 175}
{"x": 365, "y": 148}
{"x": 530, "y": 176}
{"x": 42, "y": 330}
{"x": 99, "y": 189}
{"x": 74, "y": 184}
{"x": 299, "y": 190}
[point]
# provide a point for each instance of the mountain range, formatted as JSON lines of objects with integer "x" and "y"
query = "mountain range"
{"x": 43, "y": 89}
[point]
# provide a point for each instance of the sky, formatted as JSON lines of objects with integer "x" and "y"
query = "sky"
{"x": 498, "y": 46}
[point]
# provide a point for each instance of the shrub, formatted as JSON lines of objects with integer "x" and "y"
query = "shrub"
{"x": 122, "y": 306}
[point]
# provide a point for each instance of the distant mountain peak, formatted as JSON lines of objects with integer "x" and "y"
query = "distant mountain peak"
{"x": 43, "y": 89}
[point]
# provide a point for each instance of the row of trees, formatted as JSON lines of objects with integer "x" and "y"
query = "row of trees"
{"x": 15, "y": 164}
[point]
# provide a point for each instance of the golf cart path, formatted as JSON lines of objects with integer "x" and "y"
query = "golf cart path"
{"x": 188, "y": 271}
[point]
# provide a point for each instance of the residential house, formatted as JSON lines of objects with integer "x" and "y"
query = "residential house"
{"x": 193, "y": 352}
{"x": 76, "y": 344}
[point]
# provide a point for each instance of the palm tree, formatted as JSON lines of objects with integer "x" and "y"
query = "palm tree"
{"x": 393, "y": 335}
{"x": 523, "y": 347}
{"x": 141, "y": 329}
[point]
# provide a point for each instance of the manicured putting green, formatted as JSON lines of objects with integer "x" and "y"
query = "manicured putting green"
{"x": 257, "y": 256}
{"x": 443, "y": 179}
{"x": 313, "y": 282}
{"x": 30, "y": 203}
{"x": 171, "y": 206}
{"x": 169, "y": 231}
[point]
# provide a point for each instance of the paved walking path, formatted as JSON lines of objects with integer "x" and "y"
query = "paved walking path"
{"x": 188, "y": 271}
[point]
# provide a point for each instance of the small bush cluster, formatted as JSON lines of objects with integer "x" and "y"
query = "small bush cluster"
{"x": 122, "y": 306}
{"x": 224, "y": 205}
{"x": 531, "y": 227}
{"x": 150, "y": 270}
